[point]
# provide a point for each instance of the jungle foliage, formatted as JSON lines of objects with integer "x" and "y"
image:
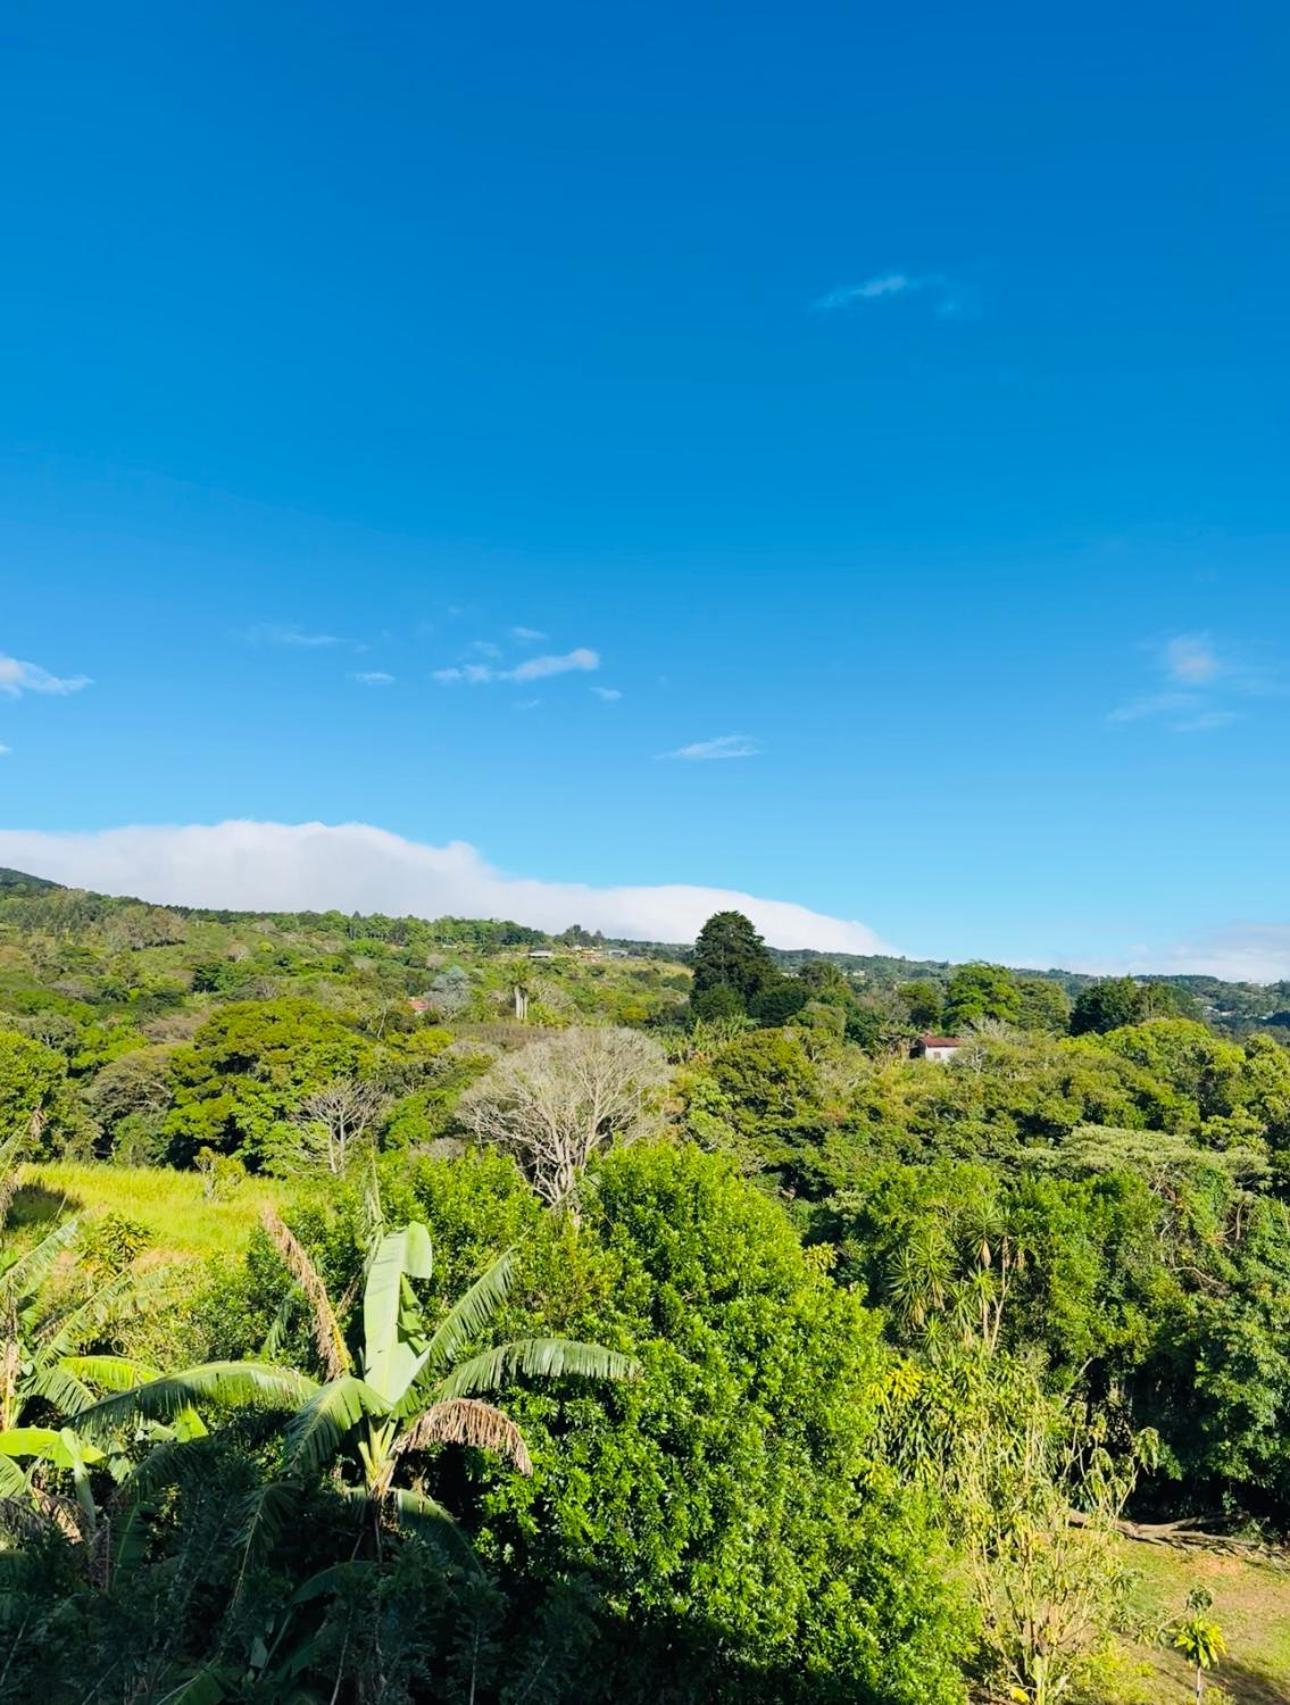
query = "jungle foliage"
{"x": 615, "y": 1325}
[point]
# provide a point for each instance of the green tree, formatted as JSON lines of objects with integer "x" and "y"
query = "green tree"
{"x": 825, "y": 981}
{"x": 779, "y": 1000}
{"x": 248, "y": 1071}
{"x": 35, "y": 1101}
{"x": 1161, "y": 999}
{"x": 131, "y": 1091}
{"x": 924, "y": 1000}
{"x": 729, "y": 1502}
{"x": 981, "y": 991}
{"x": 771, "y": 1088}
{"x": 718, "y": 1004}
{"x": 1008, "y": 1463}
{"x": 1106, "y": 1005}
{"x": 729, "y": 953}
{"x": 1199, "y": 1638}
{"x": 1045, "y": 1005}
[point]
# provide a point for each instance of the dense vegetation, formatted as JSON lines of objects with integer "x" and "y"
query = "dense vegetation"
{"x": 573, "y": 1321}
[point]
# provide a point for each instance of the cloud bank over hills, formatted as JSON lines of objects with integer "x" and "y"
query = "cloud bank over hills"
{"x": 355, "y": 867}
{"x": 349, "y": 867}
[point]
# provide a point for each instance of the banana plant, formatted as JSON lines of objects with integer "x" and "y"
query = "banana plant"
{"x": 59, "y": 1448}
{"x": 44, "y": 1329}
{"x": 411, "y": 1384}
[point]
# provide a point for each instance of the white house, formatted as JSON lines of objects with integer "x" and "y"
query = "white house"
{"x": 937, "y": 1047}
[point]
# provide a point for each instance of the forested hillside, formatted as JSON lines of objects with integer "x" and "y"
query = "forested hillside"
{"x": 432, "y": 1310}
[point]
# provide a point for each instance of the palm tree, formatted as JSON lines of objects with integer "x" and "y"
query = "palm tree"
{"x": 411, "y": 1386}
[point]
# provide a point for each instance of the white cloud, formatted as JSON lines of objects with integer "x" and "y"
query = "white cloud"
{"x": 17, "y": 678}
{"x": 374, "y": 678}
{"x": 724, "y": 746}
{"x": 274, "y": 633}
{"x": 527, "y": 636}
{"x": 610, "y": 695}
{"x": 475, "y": 673}
{"x": 532, "y": 669}
{"x": 887, "y": 286}
{"x": 1239, "y": 953}
{"x": 1206, "y": 721}
{"x": 354, "y": 867}
{"x": 5, "y": 751}
{"x": 1153, "y": 705}
{"x": 537, "y": 668}
{"x": 1191, "y": 659}
{"x": 1201, "y": 681}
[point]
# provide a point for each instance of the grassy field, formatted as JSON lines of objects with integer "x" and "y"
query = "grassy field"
{"x": 1251, "y": 1604}
{"x": 180, "y": 1219}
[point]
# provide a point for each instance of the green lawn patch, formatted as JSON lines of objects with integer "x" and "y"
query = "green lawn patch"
{"x": 1251, "y": 1604}
{"x": 182, "y": 1221}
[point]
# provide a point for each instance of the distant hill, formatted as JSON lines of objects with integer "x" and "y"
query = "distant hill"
{"x": 1236, "y": 1006}
{"x": 18, "y": 882}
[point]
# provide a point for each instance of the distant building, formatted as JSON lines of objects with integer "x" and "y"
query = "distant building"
{"x": 937, "y": 1047}
{"x": 541, "y": 953}
{"x": 419, "y": 1003}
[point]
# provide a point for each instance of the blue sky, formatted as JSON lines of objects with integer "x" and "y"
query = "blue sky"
{"x": 891, "y": 410}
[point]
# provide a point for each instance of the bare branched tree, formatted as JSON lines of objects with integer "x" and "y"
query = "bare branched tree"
{"x": 336, "y": 1119}
{"x": 554, "y": 1103}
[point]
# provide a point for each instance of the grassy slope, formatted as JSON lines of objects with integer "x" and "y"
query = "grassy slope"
{"x": 181, "y": 1221}
{"x": 1251, "y": 1604}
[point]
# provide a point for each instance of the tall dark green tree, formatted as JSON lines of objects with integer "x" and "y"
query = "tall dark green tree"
{"x": 1044, "y": 1005}
{"x": 1109, "y": 1004}
{"x": 923, "y": 999}
{"x": 729, "y": 953}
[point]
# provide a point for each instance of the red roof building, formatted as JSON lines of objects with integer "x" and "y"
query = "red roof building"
{"x": 931, "y": 1047}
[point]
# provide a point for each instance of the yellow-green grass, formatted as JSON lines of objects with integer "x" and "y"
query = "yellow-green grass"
{"x": 182, "y": 1222}
{"x": 1251, "y": 1605}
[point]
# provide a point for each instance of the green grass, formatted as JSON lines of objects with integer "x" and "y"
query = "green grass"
{"x": 1251, "y": 1605}
{"x": 181, "y": 1221}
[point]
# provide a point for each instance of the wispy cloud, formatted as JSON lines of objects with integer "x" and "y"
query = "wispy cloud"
{"x": 537, "y": 668}
{"x": 474, "y": 673}
{"x": 484, "y": 648}
{"x": 17, "y": 678}
{"x": 1242, "y": 952}
{"x": 5, "y": 751}
{"x": 887, "y": 286}
{"x": 1203, "y": 684}
{"x": 527, "y": 636}
{"x": 1206, "y": 721}
{"x": 610, "y": 695}
{"x": 724, "y": 746}
{"x": 373, "y": 678}
{"x": 532, "y": 669}
{"x": 278, "y": 633}
{"x": 1154, "y": 704}
{"x": 1191, "y": 658}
